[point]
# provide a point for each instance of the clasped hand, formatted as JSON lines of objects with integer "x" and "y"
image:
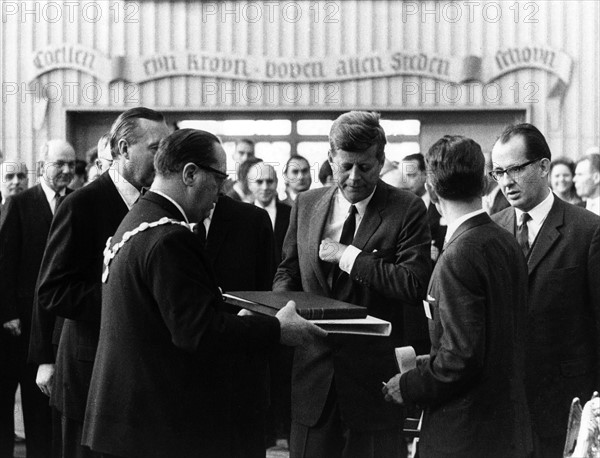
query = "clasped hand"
{"x": 331, "y": 251}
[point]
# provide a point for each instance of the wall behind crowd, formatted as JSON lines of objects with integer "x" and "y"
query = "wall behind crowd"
{"x": 33, "y": 112}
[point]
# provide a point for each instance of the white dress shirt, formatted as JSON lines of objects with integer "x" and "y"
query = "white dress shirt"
{"x": 51, "y": 195}
{"x": 593, "y": 205}
{"x": 538, "y": 216}
{"x": 339, "y": 211}
{"x": 271, "y": 210}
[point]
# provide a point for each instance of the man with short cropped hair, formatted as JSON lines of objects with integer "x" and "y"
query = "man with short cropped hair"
{"x": 69, "y": 284}
{"x": 297, "y": 177}
{"x": 366, "y": 243}
{"x": 587, "y": 181}
{"x": 154, "y": 392}
{"x": 24, "y": 228}
{"x": 561, "y": 243}
{"x": 471, "y": 384}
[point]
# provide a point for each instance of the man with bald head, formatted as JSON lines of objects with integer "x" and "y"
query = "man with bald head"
{"x": 69, "y": 283}
{"x": 24, "y": 228}
{"x": 262, "y": 183}
{"x": 13, "y": 179}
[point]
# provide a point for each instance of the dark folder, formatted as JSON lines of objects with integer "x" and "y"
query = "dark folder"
{"x": 310, "y": 306}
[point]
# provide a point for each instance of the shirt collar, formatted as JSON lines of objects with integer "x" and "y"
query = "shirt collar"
{"x": 426, "y": 199}
{"x": 361, "y": 206}
{"x": 539, "y": 212}
{"x": 456, "y": 224}
{"x": 49, "y": 192}
{"x": 128, "y": 192}
{"x": 272, "y": 205}
{"x": 170, "y": 199}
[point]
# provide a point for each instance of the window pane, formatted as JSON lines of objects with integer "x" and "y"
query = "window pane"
{"x": 238, "y": 127}
{"x": 210, "y": 126}
{"x": 401, "y": 127}
{"x": 314, "y": 126}
{"x": 395, "y": 151}
{"x": 273, "y": 127}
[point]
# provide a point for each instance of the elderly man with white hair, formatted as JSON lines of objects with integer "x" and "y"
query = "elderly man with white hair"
{"x": 23, "y": 231}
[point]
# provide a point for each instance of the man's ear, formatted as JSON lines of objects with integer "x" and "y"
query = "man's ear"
{"x": 545, "y": 166}
{"x": 123, "y": 148}
{"x": 188, "y": 173}
{"x": 432, "y": 194}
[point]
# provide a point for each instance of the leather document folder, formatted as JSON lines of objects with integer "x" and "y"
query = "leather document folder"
{"x": 310, "y": 306}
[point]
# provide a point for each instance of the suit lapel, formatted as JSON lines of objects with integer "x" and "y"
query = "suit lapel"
{"x": 506, "y": 219}
{"x": 548, "y": 234}
{"x": 43, "y": 205}
{"x": 218, "y": 229}
{"x": 372, "y": 217}
{"x": 315, "y": 231}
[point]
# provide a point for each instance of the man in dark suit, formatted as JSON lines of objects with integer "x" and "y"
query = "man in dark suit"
{"x": 13, "y": 180}
{"x": 471, "y": 385}
{"x": 153, "y": 393}
{"x": 337, "y": 407}
{"x": 262, "y": 183}
{"x": 297, "y": 177}
{"x": 242, "y": 232}
{"x": 23, "y": 232}
{"x": 69, "y": 281}
{"x": 562, "y": 245}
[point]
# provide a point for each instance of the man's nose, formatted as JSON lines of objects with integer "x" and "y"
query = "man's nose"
{"x": 354, "y": 173}
{"x": 505, "y": 179}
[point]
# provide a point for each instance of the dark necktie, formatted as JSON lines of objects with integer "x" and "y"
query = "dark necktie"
{"x": 345, "y": 239}
{"x": 523, "y": 234}
{"x": 200, "y": 232}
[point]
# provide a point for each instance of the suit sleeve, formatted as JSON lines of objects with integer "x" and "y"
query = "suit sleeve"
{"x": 10, "y": 241}
{"x": 287, "y": 277}
{"x": 593, "y": 282}
{"x": 69, "y": 281}
{"x": 461, "y": 314}
{"x": 405, "y": 274}
{"x": 177, "y": 274}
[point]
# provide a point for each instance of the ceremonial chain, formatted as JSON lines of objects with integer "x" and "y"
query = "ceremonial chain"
{"x": 110, "y": 253}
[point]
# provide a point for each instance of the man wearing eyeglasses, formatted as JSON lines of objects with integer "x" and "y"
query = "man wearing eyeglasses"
{"x": 154, "y": 391}
{"x": 23, "y": 231}
{"x": 561, "y": 243}
{"x": 69, "y": 284}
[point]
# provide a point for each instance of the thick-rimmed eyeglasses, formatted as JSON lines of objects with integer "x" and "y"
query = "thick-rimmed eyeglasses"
{"x": 513, "y": 171}
{"x": 208, "y": 168}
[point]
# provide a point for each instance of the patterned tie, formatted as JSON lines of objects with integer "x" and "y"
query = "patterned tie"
{"x": 346, "y": 239}
{"x": 523, "y": 233}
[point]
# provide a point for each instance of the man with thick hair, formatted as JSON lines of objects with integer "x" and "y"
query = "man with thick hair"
{"x": 561, "y": 243}
{"x": 69, "y": 283}
{"x": 23, "y": 231}
{"x": 154, "y": 392}
{"x": 366, "y": 243}
{"x": 297, "y": 177}
{"x": 471, "y": 384}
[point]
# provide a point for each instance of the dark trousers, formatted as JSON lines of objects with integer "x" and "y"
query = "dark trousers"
{"x": 332, "y": 438}
{"x": 72, "y": 431}
{"x": 36, "y": 411}
{"x": 548, "y": 447}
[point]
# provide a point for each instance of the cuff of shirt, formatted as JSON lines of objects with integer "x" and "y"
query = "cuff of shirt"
{"x": 348, "y": 258}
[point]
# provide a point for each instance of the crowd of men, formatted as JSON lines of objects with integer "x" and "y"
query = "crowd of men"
{"x": 115, "y": 327}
